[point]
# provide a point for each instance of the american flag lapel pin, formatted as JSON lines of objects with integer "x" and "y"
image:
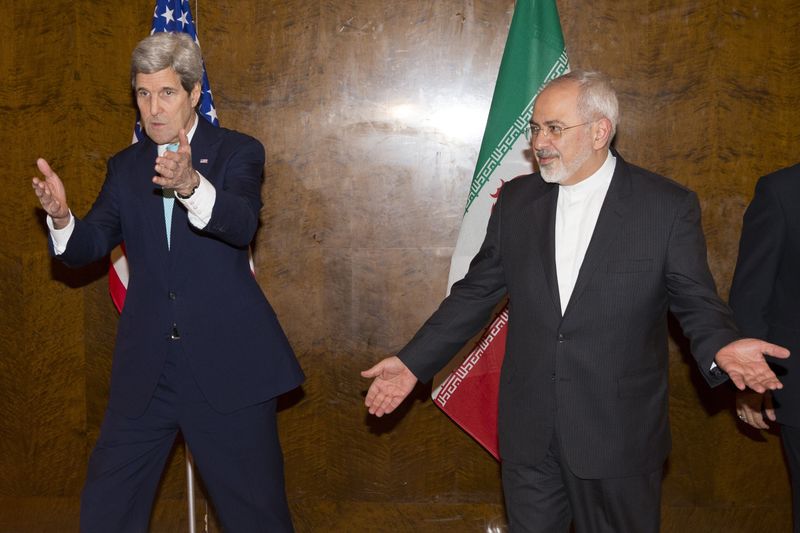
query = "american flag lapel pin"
{"x": 203, "y": 161}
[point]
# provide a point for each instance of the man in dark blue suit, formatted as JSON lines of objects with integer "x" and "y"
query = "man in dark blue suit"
{"x": 198, "y": 347}
{"x": 765, "y": 298}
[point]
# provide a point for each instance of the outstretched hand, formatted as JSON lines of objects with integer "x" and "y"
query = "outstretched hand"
{"x": 51, "y": 194}
{"x": 744, "y": 362}
{"x": 392, "y": 384}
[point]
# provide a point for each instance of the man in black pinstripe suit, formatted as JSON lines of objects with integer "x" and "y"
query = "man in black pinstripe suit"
{"x": 592, "y": 252}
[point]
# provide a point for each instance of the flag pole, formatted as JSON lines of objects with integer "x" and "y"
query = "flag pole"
{"x": 189, "y": 486}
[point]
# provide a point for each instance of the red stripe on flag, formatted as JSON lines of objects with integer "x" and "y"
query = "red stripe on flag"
{"x": 118, "y": 282}
{"x": 469, "y": 394}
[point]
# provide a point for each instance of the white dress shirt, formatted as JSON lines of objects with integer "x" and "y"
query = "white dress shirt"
{"x": 577, "y": 210}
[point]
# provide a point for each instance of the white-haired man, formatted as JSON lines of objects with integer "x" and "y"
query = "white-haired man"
{"x": 592, "y": 253}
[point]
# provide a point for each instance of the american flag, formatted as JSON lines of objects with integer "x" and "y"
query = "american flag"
{"x": 172, "y": 16}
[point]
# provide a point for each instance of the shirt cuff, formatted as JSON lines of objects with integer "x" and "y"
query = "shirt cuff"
{"x": 60, "y": 237}
{"x": 200, "y": 205}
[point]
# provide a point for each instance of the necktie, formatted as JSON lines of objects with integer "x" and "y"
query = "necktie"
{"x": 169, "y": 200}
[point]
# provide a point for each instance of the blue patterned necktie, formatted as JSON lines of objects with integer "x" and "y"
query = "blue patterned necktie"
{"x": 169, "y": 200}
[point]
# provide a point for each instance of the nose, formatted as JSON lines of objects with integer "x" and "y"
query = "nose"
{"x": 154, "y": 105}
{"x": 540, "y": 140}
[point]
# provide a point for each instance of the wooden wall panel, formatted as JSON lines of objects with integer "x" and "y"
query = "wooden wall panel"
{"x": 371, "y": 113}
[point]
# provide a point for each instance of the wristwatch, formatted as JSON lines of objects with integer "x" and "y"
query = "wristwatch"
{"x": 182, "y": 197}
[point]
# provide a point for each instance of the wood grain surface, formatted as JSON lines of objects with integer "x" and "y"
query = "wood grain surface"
{"x": 372, "y": 113}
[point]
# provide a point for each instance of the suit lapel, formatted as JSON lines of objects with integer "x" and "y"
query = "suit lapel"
{"x": 205, "y": 144}
{"x": 149, "y": 195}
{"x": 544, "y": 219}
{"x": 607, "y": 228}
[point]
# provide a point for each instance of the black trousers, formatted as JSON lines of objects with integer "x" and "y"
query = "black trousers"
{"x": 237, "y": 454}
{"x": 547, "y": 497}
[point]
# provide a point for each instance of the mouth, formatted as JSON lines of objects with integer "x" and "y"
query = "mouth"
{"x": 545, "y": 158}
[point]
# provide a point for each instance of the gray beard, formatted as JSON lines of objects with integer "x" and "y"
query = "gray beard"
{"x": 564, "y": 172}
{"x": 554, "y": 176}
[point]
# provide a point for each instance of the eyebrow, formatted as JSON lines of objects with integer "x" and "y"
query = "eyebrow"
{"x": 546, "y": 122}
{"x": 165, "y": 87}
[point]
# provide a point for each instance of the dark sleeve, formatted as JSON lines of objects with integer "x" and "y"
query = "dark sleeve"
{"x": 234, "y": 218}
{"x": 760, "y": 248}
{"x": 464, "y": 312}
{"x": 100, "y": 230}
{"x": 703, "y": 316}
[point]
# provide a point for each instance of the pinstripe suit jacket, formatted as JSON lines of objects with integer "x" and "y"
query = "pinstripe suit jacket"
{"x": 598, "y": 374}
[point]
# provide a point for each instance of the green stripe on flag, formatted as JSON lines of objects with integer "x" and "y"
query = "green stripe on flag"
{"x": 534, "y": 54}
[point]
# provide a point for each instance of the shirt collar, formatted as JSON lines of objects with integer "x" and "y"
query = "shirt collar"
{"x": 163, "y": 147}
{"x": 601, "y": 178}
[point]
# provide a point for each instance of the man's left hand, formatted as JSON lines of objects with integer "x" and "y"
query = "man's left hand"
{"x": 744, "y": 362}
{"x": 175, "y": 168}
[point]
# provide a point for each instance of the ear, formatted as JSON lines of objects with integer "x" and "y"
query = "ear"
{"x": 195, "y": 94}
{"x": 601, "y": 133}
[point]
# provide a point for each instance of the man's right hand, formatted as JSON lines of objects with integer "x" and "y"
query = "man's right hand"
{"x": 393, "y": 383}
{"x": 51, "y": 194}
{"x": 749, "y": 407}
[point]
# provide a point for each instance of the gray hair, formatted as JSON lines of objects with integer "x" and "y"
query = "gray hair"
{"x": 596, "y": 97}
{"x": 164, "y": 50}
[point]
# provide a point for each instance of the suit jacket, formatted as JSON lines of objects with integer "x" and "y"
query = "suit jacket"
{"x": 202, "y": 287}
{"x": 765, "y": 294}
{"x": 597, "y": 375}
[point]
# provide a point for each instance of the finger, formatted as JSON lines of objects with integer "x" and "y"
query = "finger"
{"x": 165, "y": 165}
{"x": 386, "y": 405}
{"x": 375, "y": 395}
{"x": 43, "y": 193}
{"x": 754, "y": 418}
{"x": 183, "y": 139}
{"x": 761, "y": 373}
{"x": 374, "y": 371}
{"x": 758, "y": 422}
{"x": 376, "y": 407}
{"x": 773, "y": 350}
{"x": 739, "y": 381}
{"x": 761, "y": 385}
{"x": 769, "y": 380}
{"x": 44, "y": 168}
{"x": 769, "y": 409}
{"x": 39, "y": 188}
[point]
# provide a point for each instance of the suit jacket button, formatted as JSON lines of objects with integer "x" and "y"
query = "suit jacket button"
{"x": 172, "y": 295}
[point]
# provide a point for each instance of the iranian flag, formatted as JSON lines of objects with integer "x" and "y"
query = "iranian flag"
{"x": 534, "y": 54}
